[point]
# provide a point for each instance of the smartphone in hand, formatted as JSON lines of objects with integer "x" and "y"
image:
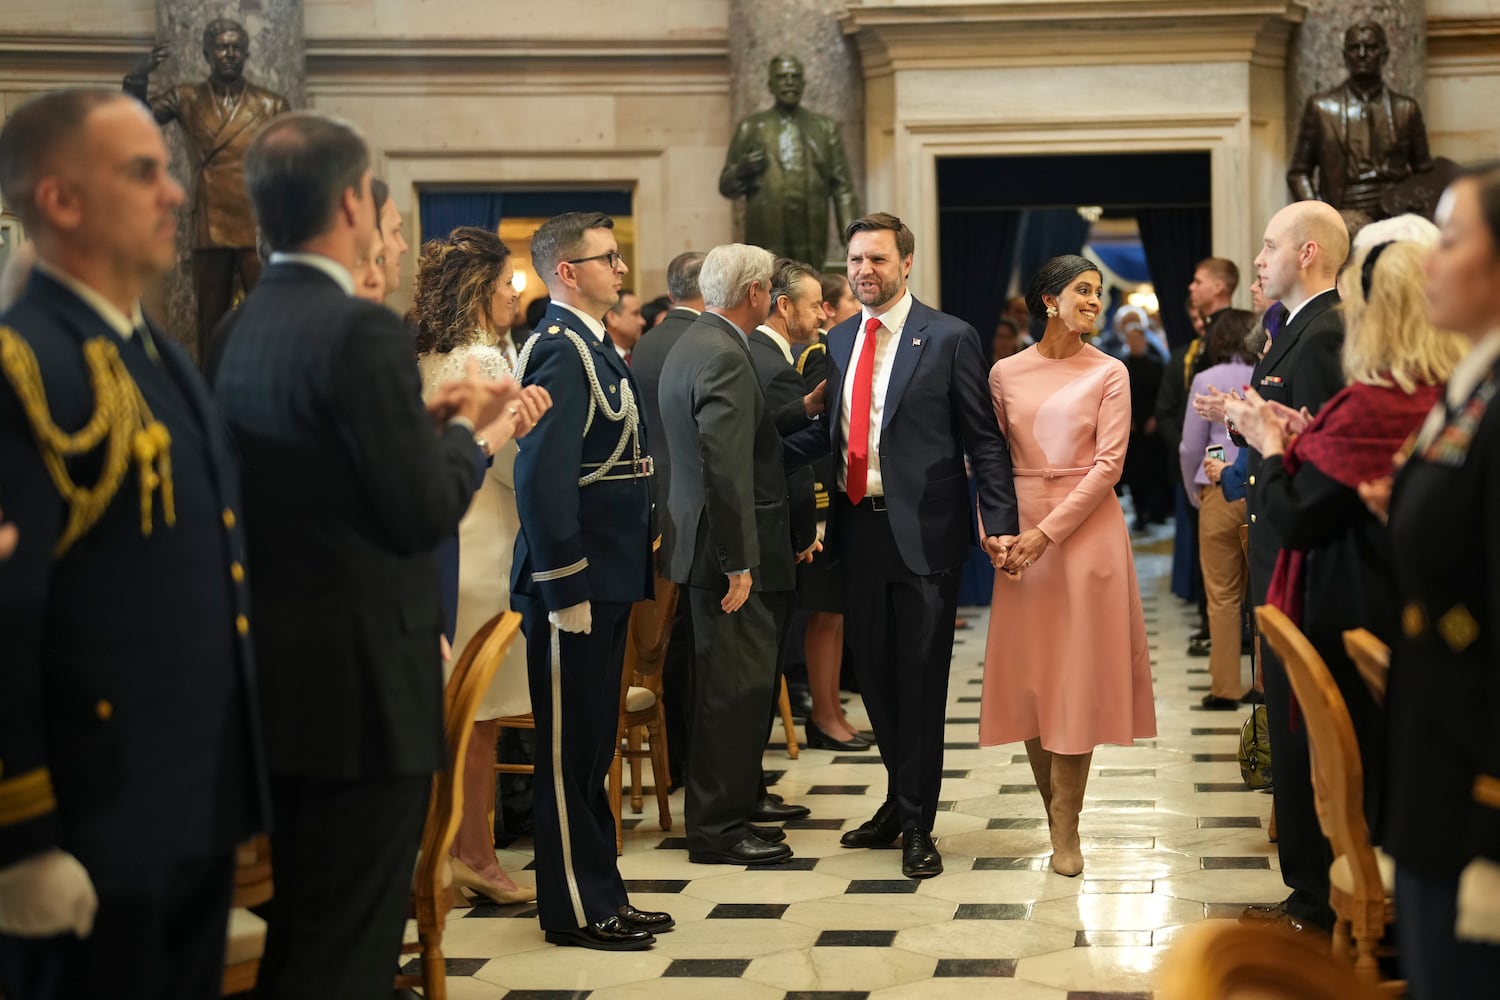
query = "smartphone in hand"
{"x": 1215, "y": 452}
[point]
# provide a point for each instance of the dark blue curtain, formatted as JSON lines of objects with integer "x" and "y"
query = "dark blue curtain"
{"x": 442, "y": 211}
{"x": 978, "y": 254}
{"x": 1175, "y": 240}
{"x": 1047, "y": 232}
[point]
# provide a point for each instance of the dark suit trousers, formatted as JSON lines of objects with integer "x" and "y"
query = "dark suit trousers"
{"x": 342, "y": 855}
{"x": 735, "y": 668}
{"x": 576, "y": 705}
{"x": 677, "y": 690}
{"x": 1305, "y": 853}
{"x": 900, "y": 635}
{"x": 161, "y": 939}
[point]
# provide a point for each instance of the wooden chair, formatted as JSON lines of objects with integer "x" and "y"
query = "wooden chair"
{"x": 642, "y": 726}
{"x": 785, "y": 703}
{"x": 1360, "y": 880}
{"x": 246, "y": 940}
{"x": 1226, "y": 960}
{"x": 1372, "y": 658}
{"x": 430, "y": 898}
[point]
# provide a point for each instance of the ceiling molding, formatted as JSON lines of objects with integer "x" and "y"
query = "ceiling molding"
{"x": 1461, "y": 46}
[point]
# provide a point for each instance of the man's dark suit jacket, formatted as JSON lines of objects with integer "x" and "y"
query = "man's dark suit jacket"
{"x": 349, "y": 490}
{"x": 782, "y": 388}
{"x": 128, "y": 728}
{"x": 727, "y": 514}
{"x": 646, "y": 360}
{"x": 1301, "y": 369}
{"x": 937, "y": 407}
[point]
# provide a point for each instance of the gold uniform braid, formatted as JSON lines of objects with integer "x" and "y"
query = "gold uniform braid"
{"x": 121, "y": 422}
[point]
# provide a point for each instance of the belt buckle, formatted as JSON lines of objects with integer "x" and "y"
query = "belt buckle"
{"x": 877, "y": 502}
{"x": 648, "y": 466}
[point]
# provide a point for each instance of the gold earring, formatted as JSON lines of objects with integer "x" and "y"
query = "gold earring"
{"x": 1052, "y": 312}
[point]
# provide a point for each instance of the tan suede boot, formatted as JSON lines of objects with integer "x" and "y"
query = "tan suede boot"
{"x": 1041, "y": 770}
{"x": 1070, "y": 775}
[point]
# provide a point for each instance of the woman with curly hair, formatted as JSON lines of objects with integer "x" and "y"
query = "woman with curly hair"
{"x": 463, "y": 295}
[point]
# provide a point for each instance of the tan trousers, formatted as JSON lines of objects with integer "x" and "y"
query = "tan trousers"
{"x": 1225, "y": 570}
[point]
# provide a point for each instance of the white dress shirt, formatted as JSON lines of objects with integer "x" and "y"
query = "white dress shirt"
{"x": 892, "y": 322}
{"x": 338, "y": 272}
{"x": 595, "y": 326}
{"x": 779, "y": 341}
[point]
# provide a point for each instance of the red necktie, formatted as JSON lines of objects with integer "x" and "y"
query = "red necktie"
{"x": 858, "y": 466}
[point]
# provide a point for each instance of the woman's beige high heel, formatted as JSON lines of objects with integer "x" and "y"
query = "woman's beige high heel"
{"x": 467, "y": 878}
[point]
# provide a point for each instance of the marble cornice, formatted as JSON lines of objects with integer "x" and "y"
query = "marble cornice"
{"x": 1458, "y": 46}
{"x": 429, "y": 65}
{"x": 1071, "y": 32}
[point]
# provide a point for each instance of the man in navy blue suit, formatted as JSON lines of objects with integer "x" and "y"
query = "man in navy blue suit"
{"x": 583, "y": 557}
{"x": 907, "y": 398}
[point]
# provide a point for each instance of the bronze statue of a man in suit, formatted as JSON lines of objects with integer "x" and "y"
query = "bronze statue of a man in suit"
{"x": 219, "y": 116}
{"x": 1359, "y": 139}
{"x": 788, "y": 163}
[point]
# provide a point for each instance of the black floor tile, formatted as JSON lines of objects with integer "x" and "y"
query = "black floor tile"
{"x": 975, "y": 968}
{"x": 993, "y": 911}
{"x": 866, "y": 886}
{"x": 828, "y": 995}
{"x": 1010, "y": 864}
{"x": 747, "y": 911}
{"x": 1248, "y": 864}
{"x": 547, "y": 995}
{"x": 1214, "y": 731}
{"x": 706, "y": 968}
{"x": 962, "y": 720}
{"x": 838, "y": 789}
{"x": 858, "y": 758}
{"x": 1127, "y": 772}
{"x": 956, "y": 773}
{"x": 1220, "y": 786}
{"x": 946, "y": 805}
{"x": 656, "y": 884}
{"x": 1214, "y": 758}
{"x": 813, "y": 824}
{"x": 1228, "y": 822}
{"x": 672, "y": 844}
{"x": 855, "y": 939}
{"x": 1112, "y": 939}
{"x": 1019, "y": 758}
{"x": 1123, "y": 803}
{"x": 961, "y": 746}
{"x": 454, "y": 966}
{"x": 1015, "y": 823}
{"x": 1017, "y": 790}
{"x": 485, "y": 910}
{"x": 794, "y": 865}
{"x": 970, "y": 699}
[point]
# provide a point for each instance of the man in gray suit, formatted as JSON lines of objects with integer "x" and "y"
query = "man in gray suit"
{"x": 731, "y": 549}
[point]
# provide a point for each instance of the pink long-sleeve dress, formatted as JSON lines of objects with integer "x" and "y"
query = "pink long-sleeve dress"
{"x": 1066, "y": 657}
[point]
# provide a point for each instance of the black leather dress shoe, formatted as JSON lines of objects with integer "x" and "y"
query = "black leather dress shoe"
{"x": 919, "y": 855}
{"x": 750, "y": 851}
{"x": 772, "y": 810}
{"x": 878, "y": 831}
{"x": 770, "y": 834}
{"x": 819, "y": 740}
{"x": 646, "y": 920}
{"x": 609, "y": 934}
{"x": 1214, "y": 703}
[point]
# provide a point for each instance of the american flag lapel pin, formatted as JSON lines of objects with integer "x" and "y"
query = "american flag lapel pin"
{"x": 916, "y": 341}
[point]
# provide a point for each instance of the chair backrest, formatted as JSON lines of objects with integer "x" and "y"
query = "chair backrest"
{"x": 646, "y": 643}
{"x": 1225, "y": 960}
{"x": 476, "y": 667}
{"x": 1372, "y": 658}
{"x": 1337, "y": 773}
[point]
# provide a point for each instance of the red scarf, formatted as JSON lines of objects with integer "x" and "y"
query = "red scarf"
{"x": 1352, "y": 440}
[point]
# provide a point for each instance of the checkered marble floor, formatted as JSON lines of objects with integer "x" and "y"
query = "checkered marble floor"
{"x": 1170, "y": 837}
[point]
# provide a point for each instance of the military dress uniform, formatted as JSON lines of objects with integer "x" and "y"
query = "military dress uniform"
{"x": 1443, "y": 698}
{"x": 582, "y": 495}
{"x": 128, "y": 722}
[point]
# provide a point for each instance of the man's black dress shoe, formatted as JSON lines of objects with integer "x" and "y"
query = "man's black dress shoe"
{"x": 609, "y": 934}
{"x": 919, "y": 855}
{"x": 878, "y": 831}
{"x": 1214, "y": 703}
{"x": 646, "y": 920}
{"x": 770, "y": 834}
{"x": 771, "y": 809}
{"x": 819, "y": 740}
{"x": 750, "y": 851}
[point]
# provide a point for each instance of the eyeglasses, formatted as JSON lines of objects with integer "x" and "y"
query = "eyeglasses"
{"x": 613, "y": 257}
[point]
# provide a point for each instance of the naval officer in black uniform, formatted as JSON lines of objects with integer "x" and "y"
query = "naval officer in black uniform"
{"x": 583, "y": 557}
{"x": 129, "y": 764}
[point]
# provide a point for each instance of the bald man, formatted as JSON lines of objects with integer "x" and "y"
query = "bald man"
{"x": 1304, "y": 247}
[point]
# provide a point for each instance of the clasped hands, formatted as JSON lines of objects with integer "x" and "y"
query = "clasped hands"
{"x": 1264, "y": 424}
{"x": 499, "y": 409}
{"x": 1014, "y": 554}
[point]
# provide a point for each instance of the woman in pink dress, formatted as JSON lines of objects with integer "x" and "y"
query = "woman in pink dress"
{"x": 1066, "y": 666}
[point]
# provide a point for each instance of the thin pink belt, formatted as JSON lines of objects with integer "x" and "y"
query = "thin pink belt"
{"x": 1052, "y": 473}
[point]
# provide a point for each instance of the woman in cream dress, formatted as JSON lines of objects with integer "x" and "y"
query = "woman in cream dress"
{"x": 463, "y": 295}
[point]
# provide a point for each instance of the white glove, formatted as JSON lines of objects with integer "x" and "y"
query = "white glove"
{"x": 45, "y": 895}
{"x": 578, "y": 618}
{"x": 1479, "y": 902}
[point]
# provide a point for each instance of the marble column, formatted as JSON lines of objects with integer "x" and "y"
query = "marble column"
{"x": 808, "y": 29}
{"x": 1317, "y": 52}
{"x": 277, "y": 62}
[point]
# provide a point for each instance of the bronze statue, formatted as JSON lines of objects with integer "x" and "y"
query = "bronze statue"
{"x": 1359, "y": 139}
{"x": 219, "y": 116}
{"x": 788, "y": 163}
